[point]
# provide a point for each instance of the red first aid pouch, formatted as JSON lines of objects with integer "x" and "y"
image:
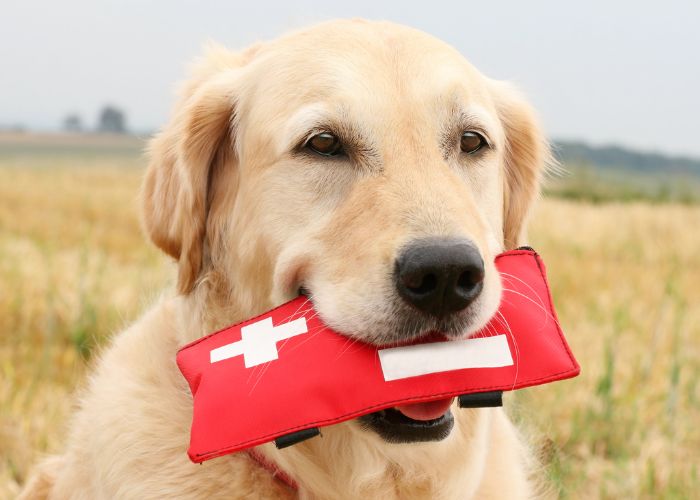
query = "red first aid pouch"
{"x": 284, "y": 374}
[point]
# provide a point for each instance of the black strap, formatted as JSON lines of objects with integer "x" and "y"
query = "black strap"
{"x": 481, "y": 399}
{"x": 296, "y": 437}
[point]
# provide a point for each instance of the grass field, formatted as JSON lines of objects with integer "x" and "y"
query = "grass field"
{"x": 75, "y": 268}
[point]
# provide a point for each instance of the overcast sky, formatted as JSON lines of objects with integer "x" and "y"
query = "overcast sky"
{"x": 624, "y": 72}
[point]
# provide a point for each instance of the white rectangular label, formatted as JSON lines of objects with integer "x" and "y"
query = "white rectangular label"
{"x": 421, "y": 359}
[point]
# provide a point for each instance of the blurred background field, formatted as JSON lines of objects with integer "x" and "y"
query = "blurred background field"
{"x": 75, "y": 269}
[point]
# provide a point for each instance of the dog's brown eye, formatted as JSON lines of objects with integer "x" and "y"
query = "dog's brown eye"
{"x": 472, "y": 142}
{"x": 325, "y": 144}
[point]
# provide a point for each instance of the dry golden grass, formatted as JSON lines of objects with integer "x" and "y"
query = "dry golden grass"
{"x": 74, "y": 269}
{"x": 625, "y": 279}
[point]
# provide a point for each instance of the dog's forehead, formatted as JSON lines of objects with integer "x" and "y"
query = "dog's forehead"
{"x": 339, "y": 54}
{"x": 376, "y": 71}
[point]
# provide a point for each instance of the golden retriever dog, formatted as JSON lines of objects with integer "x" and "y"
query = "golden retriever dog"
{"x": 367, "y": 165}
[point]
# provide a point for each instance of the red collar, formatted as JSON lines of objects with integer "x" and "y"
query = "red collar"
{"x": 273, "y": 469}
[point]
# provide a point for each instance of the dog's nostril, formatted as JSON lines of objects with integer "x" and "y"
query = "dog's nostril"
{"x": 469, "y": 279}
{"x": 421, "y": 284}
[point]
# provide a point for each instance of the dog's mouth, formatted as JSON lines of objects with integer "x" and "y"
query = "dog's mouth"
{"x": 418, "y": 422}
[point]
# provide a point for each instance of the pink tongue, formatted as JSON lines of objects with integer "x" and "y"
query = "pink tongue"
{"x": 426, "y": 411}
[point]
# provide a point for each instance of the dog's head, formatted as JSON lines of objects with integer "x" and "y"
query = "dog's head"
{"x": 366, "y": 164}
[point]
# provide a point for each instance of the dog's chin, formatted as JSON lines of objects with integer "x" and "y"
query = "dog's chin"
{"x": 416, "y": 423}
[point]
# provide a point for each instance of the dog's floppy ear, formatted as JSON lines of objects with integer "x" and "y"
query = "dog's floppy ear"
{"x": 183, "y": 156}
{"x": 526, "y": 157}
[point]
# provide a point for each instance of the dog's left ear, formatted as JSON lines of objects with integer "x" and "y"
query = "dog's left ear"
{"x": 526, "y": 158}
{"x": 175, "y": 199}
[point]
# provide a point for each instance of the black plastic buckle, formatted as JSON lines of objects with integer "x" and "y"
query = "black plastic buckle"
{"x": 481, "y": 400}
{"x": 296, "y": 437}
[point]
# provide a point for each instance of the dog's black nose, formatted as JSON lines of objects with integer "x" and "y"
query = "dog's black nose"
{"x": 439, "y": 276}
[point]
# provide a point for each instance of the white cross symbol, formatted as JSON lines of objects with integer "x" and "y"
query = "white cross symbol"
{"x": 258, "y": 342}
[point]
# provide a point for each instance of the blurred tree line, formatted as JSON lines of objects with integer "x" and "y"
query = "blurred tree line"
{"x": 111, "y": 120}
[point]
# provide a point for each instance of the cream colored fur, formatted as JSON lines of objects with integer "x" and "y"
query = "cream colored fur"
{"x": 249, "y": 217}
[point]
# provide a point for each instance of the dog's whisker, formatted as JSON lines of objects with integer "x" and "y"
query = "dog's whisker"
{"x": 546, "y": 312}
{"x": 535, "y": 292}
{"x": 346, "y": 347}
{"x": 515, "y": 345}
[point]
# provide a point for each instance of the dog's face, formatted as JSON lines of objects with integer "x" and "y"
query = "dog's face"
{"x": 365, "y": 164}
